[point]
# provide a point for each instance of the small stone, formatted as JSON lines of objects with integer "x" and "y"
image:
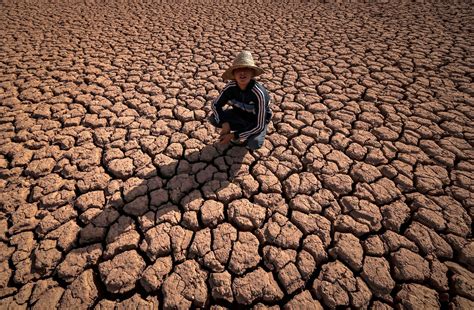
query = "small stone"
{"x": 303, "y": 300}
{"x": 362, "y": 172}
{"x": 121, "y": 168}
{"x": 313, "y": 224}
{"x": 281, "y": 232}
{"x": 246, "y": 215}
{"x": 462, "y": 280}
{"x": 374, "y": 246}
{"x": 94, "y": 199}
{"x": 276, "y": 258}
{"x": 78, "y": 260}
{"x": 467, "y": 255}
{"x": 305, "y": 204}
{"x": 185, "y": 287}
{"x": 168, "y": 213}
{"x": 348, "y": 249}
{"x": 81, "y": 293}
{"x": 154, "y": 276}
{"x": 244, "y": 253}
{"x": 122, "y": 236}
{"x": 41, "y": 167}
{"x": 180, "y": 240}
{"x": 256, "y": 285}
{"x": 137, "y": 302}
{"x": 291, "y": 278}
{"x": 337, "y": 286}
{"x": 122, "y": 272}
{"x": 376, "y": 273}
{"x": 306, "y": 264}
{"x": 46, "y": 257}
{"x": 459, "y": 302}
{"x": 157, "y": 241}
{"x": 395, "y": 215}
{"x": 212, "y": 213}
{"x": 91, "y": 234}
{"x": 133, "y": 188}
{"x": 340, "y": 184}
{"x": 439, "y": 274}
{"x": 416, "y": 296}
{"x": 409, "y": 266}
{"x": 24, "y": 219}
{"x": 221, "y": 285}
{"x": 49, "y": 299}
{"x": 137, "y": 207}
{"x": 394, "y": 241}
{"x": 429, "y": 241}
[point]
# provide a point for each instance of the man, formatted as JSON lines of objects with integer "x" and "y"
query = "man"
{"x": 247, "y": 119}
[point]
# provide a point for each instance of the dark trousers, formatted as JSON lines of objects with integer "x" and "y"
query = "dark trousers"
{"x": 240, "y": 123}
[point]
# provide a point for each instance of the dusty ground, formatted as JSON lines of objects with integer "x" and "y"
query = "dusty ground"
{"x": 113, "y": 195}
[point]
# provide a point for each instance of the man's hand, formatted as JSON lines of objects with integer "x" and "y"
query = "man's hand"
{"x": 225, "y": 129}
{"x": 226, "y": 138}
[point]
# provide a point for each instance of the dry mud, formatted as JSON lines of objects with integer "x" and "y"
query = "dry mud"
{"x": 113, "y": 195}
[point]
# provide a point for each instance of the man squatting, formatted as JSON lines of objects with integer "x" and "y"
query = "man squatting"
{"x": 247, "y": 120}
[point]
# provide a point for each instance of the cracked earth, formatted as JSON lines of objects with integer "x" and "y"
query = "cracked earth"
{"x": 113, "y": 194}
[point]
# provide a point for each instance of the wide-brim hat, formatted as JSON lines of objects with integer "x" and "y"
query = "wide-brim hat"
{"x": 243, "y": 60}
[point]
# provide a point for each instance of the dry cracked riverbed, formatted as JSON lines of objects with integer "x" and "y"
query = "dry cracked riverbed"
{"x": 113, "y": 194}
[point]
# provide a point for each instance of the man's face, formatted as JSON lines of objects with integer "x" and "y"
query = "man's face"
{"x": 243, "y": 76}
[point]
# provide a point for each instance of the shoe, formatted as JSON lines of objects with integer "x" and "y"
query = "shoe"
{"x": 237, "y": 142}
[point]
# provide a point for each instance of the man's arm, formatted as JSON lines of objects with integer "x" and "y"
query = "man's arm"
{"x": 221, "y": 101}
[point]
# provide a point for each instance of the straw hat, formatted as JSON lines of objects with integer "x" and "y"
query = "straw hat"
{"x": 243, "y": 60}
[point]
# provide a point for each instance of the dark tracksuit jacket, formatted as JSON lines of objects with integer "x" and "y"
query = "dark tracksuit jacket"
{"x": 251, "y": 105}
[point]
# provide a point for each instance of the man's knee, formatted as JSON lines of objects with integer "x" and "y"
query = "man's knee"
{"x": 256, "y": 142}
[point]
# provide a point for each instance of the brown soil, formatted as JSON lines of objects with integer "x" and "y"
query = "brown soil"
{"x": 114, "y": 195}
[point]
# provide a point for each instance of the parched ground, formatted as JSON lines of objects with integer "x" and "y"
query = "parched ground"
{"x": 113, "y": 194}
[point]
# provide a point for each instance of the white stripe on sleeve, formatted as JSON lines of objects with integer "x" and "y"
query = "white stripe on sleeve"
{"x": 260, "y": 117}
{"x": 213, "y": 106}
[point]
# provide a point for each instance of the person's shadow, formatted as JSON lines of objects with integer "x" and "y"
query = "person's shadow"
{"x": 174, "y": 192}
